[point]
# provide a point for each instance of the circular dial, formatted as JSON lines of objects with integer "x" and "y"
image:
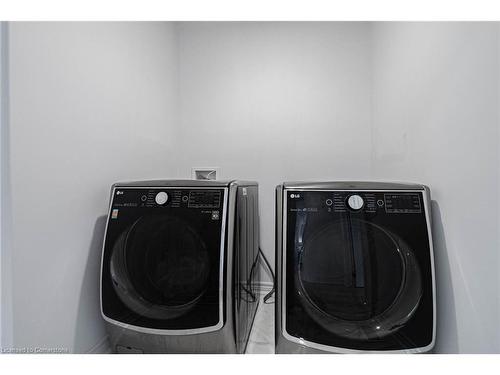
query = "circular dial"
{"x": 161, "y": 198}
{"x": 355, "y": 202}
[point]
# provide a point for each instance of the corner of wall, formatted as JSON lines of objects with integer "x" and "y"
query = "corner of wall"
{"x": 6, "y": 327}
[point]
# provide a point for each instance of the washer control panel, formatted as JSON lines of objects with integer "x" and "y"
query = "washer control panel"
{"x": 168, "y": 197}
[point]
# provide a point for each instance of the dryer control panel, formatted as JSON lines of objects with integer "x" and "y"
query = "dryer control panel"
{"x": 357, "y": 201}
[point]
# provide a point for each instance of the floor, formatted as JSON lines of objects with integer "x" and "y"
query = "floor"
{"x": 261, "y": 339}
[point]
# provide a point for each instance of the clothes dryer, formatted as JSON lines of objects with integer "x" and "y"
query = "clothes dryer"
{"x": 355, "y": 268}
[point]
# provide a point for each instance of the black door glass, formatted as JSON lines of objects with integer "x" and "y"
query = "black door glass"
{"x": 351, "y": 270}
{"x": 355, "y": 278}
{"x": 160, "y": 267}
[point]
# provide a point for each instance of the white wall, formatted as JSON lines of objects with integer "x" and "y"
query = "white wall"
{"x": 273, "y": 102}
{"x": 5, "y": 213}
{"x": 90, "y": 104}
{"x": 435, "y": 120}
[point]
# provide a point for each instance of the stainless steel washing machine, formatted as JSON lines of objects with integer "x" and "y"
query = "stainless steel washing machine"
{"x": 355, "y": 268}
{"x": 178, "y": 272}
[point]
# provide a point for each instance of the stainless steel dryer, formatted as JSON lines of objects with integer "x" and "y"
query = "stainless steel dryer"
{"x": 178, "y": 272}
{"x": 355, "y": 268}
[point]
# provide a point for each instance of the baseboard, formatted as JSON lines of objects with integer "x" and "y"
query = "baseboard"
{"x": 101, "y": 347}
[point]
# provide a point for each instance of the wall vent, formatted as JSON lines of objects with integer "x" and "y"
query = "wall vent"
{"x": 205, "y": 173}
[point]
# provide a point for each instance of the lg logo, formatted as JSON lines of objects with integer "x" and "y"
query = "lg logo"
{"x": 119, "y": 192}
{"x": 294, "y": 195}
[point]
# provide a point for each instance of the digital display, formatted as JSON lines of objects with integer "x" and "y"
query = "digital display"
{"x": 204, "y": 199}
{"x": 402, "y": 203}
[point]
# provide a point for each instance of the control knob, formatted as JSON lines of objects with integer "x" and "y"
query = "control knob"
{"x": 355, "y": 202}
{"x": 161, "y": 198}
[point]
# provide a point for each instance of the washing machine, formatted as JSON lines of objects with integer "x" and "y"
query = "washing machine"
{"x": 178, "y": 272}
{"x": 355, "y": 268}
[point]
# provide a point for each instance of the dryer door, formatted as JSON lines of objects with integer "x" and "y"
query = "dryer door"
{"x": 356, "y": 279}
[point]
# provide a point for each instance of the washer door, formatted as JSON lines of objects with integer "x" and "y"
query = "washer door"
{"x": 160, "y": 267}
{"x": 356, "y": 279}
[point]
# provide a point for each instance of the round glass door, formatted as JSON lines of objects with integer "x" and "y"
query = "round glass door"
{"x": 160, "y": 267}
{"x": 356, "y": 279}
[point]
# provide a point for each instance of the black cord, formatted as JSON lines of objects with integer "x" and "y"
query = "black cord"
{"x": 268, "y": 295}
{"x": 248, "y": 288}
